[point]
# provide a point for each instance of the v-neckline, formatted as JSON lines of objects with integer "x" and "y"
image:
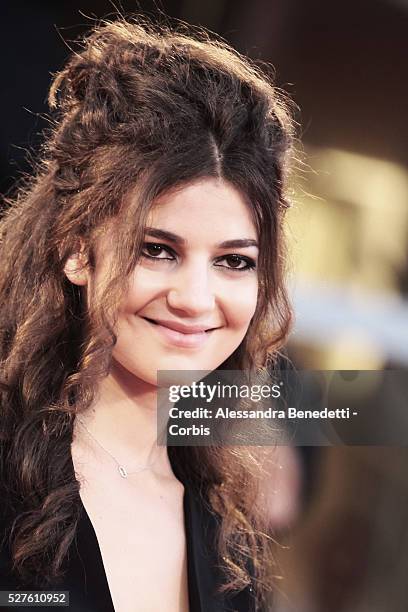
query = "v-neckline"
{"x": 98, "y": 585}
{"x": 95, "y": 576}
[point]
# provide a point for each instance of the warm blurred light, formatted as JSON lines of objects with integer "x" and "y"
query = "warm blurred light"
{"x": 350, "y": 221}
{"x": 348, "y": 235}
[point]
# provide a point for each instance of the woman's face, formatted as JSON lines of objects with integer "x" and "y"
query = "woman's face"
{"x": 193, "y": 293}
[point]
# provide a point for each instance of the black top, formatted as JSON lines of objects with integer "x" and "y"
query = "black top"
{"x": 86, "y": 581}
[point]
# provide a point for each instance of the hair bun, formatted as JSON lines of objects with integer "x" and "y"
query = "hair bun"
{"x": 100, "y": 69}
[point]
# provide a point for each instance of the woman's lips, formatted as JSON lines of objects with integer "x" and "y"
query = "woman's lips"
{"x": 184, "y": 339}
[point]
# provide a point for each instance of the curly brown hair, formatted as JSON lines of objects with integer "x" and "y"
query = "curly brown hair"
{"x": 149, "y": 107}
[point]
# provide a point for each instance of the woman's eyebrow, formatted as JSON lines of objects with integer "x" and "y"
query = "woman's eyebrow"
{"x": 155, "y": 232}
{"x": 237, "y": 243}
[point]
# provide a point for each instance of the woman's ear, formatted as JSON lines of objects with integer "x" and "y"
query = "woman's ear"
{"x": 76, "y": 269}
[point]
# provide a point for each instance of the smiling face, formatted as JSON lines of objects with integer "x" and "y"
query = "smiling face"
{"x": 193, "y": 293}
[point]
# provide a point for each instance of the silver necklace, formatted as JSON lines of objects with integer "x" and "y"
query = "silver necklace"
{"x": 121, "y": 468}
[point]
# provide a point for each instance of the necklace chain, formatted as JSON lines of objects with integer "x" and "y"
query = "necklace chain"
{"x": 121, "y": 468}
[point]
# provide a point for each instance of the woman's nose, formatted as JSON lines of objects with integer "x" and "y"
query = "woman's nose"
{"x": 191, "y": 292}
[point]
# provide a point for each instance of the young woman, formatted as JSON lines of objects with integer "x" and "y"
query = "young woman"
{"x": 149, "y": 238}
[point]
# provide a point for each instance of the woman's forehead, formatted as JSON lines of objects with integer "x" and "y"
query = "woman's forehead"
{"x": 209, "y": 205}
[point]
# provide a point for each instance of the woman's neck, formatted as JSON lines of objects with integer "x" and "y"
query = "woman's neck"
{"x": 123, "y": 420}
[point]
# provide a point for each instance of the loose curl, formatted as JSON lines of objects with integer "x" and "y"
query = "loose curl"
{"x": 139, "y": 110}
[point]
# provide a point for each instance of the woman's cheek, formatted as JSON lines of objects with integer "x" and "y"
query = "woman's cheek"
{"x": 243, "y": 302}
{"x": 143, "y": 288}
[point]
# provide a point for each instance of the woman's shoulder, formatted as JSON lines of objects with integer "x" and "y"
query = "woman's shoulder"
{"x": 206, "y": 576}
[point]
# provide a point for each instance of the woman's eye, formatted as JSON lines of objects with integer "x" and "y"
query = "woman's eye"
{"x": 162, "y": 252}
{"x": 152, "y": 250}
{"x": 237, "y": 263}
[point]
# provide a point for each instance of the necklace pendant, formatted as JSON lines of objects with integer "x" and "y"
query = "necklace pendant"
{"x": 122, "y": 471}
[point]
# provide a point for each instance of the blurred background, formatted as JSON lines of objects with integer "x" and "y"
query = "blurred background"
{"x": 343, "y": 529}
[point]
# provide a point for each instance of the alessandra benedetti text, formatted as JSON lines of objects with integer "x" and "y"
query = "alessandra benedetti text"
{"x": 268, "y": 413}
